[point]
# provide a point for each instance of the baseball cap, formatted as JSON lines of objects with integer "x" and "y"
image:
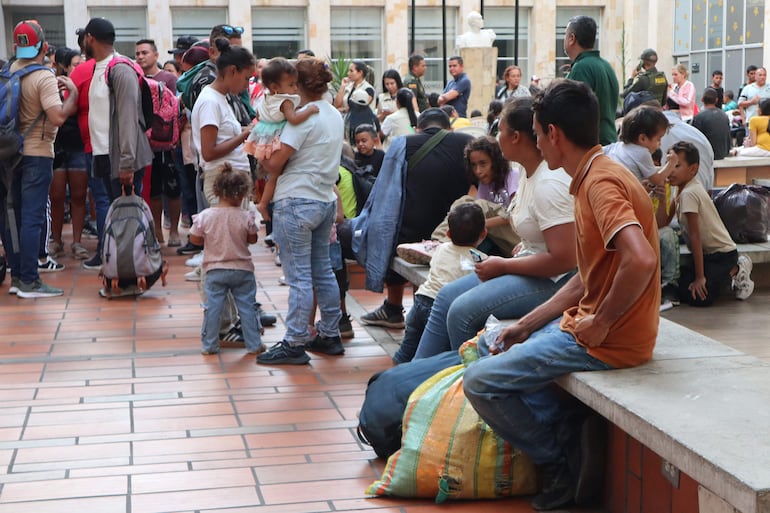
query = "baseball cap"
{"x": 28, "y": 37}
{"x": 649, "y": 55}
{"x": 101, "y": 28}
{"x": 360, "y": 97}
{"x": 183, "y": 43}
{"x": 534, "y": 78}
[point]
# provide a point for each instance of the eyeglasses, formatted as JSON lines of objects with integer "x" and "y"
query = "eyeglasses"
{"x": 227, "y": 29}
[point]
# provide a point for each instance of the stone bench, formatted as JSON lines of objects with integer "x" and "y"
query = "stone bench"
{"x": 759, "y": 252}
{"x": 701, "y": 407}
{"x": 731, "y": 170}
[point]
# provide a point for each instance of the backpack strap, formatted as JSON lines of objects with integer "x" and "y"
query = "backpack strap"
{"x": 426, "y": 148}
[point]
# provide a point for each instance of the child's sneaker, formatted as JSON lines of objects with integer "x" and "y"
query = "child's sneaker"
{"x": 743, "y": 286}
{"x": 284, "y": 354}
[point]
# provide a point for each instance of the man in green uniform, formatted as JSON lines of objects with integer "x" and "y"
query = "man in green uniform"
{"x": 414, "y": 80}
{"x": 646, "y": 77}
{"x": 590, "y": 68}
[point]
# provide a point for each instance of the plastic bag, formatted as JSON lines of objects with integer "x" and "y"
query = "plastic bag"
{"x": 744, "y": 211}
{"x": 492, "y": 329}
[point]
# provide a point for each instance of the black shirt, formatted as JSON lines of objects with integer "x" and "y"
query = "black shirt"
{"x": 715, "y": 125}
{"x": 433, "y": 185}
{"x": 374, "y": 160}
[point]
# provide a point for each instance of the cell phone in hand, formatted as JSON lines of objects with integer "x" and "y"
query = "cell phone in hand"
{"x": 476, "y": 255}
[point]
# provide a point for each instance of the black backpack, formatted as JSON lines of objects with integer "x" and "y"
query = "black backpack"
{"x": 379, "y": 421}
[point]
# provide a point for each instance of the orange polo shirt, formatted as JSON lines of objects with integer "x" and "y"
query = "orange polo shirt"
{"x": 607, "y": 199}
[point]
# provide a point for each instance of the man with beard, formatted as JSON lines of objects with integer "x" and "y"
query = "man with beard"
{"x": 119, "y": 155}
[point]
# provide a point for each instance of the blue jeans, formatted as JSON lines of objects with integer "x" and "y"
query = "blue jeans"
{"x": 461, "y": 307}
{"x": 669, "y": 255}
{"x": 301, "y": 228}
{"x": 414, "y": 327}
{"x": 105, "y": 189}
{"x": 510, "y": 390}
{"x": 30, "y": 197}
{"x": 243, "y": 287}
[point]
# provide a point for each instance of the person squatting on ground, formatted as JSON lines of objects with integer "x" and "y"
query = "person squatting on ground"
{"x": 227, "y": 230}
{"x": 609, "y": 309}
{"x": 715, "y": 260}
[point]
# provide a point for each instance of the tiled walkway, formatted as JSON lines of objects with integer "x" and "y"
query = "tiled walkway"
{"x": 108, "y": 407}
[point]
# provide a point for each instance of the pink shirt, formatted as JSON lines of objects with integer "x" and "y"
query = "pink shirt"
{"x": 225, "y": 231}
{"x": 684, "y": 96}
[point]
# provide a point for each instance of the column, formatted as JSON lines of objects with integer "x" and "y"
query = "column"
{"x": 239, "y": 14}
{"x": 396, "y": 36}
{"x": 159, "y": 28}
{"x": 319, "y": 27}
{"x": 75, "y": 16}
{"x": 542, "y": 32}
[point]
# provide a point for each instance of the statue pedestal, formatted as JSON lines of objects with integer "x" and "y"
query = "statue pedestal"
{"x": 481, "y": 68}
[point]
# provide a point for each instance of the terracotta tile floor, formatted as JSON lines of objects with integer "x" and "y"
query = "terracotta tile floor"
{"x": 107, "y": 406}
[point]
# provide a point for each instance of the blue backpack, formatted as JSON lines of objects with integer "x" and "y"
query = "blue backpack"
{"x": 11, "y": 139}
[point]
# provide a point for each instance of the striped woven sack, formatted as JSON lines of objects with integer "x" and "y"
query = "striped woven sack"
{"x": 448, "y": 452}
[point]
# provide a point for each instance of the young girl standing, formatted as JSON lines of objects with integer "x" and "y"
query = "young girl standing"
{"x": 277, "y": 106}
{"x": 228, "y": 230}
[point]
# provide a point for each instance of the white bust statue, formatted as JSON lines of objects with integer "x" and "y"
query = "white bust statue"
{"x": 477, "y": 36}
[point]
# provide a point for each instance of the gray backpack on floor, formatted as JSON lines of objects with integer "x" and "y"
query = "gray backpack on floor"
{"x": 131, "y": 257}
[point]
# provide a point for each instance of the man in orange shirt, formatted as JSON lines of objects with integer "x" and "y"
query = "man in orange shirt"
{"x": 605, "y": 317}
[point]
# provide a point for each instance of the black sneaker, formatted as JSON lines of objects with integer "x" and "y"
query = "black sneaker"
{"x": 89, "y": 231}
{"x": 265, "y": 319}
{"x": 233, "y": 338}
{"x": 346, "y": 327}
{"x": 670, "y": 293}
{"x": 558, "y": 487}
{"x": 284, "y": 354}
{"x": 326, "y": 345}
{"x": 93, "y": 264}
{"x": 189, "y": 249}
{"x": 387, "y": 315}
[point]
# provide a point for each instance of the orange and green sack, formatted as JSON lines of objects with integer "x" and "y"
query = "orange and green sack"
{"x": 448, "y": 452}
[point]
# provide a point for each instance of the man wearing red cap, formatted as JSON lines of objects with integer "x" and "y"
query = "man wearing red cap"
{"x": 41, "y": 112}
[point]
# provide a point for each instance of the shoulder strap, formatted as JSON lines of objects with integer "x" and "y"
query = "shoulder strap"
{"x": 426, "y": 148}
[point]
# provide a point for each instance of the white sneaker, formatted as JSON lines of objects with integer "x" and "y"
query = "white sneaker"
{"x": 194, "y": 275}
{"x": 282, "y": 280}
{"x": 194, "y": 261}
{"x": 743, "y": 286}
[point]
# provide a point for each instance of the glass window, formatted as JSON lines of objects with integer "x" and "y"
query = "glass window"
{"x": 429, "y": 39}
{"x": 563, "y": 15}
{"x": 755, "y": 17}
{"x": 734, "y": 23}
{"x": 356, "y": 33}
{"x": 682, "y": 27}
{"x": 734, "y": 71}
{"x": 715, "y": 23}
{"x": 277, "y": 32}
{"x": 698, "y": 25}
{"x": 196, "y": 22}
{"x": 503, "y": 21}
{"x": 130, "y": 25}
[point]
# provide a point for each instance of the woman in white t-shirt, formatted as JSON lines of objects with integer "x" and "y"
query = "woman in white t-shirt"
{"x": 304, "y": 212}
{"x": 402, "y": 121}
{"x": 508, "y": 288}
{"x": 216, "y": 133}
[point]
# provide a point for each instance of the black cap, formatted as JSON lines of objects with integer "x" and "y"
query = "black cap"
{"x": 183, "y": 43}
{"x": 649, "y": 55}
{"x": 101, "y": 28}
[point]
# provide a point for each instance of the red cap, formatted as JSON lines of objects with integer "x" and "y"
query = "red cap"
{"x": 28, "y": 37}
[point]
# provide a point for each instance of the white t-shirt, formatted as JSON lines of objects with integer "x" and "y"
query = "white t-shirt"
{"x": 541, "y": 202}
{"x": 313, "y": 168}
{"x": 99, "y": 109}
{"x": 269, "y": 106}
{"x": 446, "y": 266}
{"x": 635, "y": 157}
{"x": 211, "y": 109}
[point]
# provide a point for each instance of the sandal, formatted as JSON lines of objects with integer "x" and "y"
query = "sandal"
{"x": 56, "y": 249}
{"x": 79, "y": 251}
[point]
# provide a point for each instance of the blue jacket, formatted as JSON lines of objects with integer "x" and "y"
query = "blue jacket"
{"x": 375, "y": 230}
